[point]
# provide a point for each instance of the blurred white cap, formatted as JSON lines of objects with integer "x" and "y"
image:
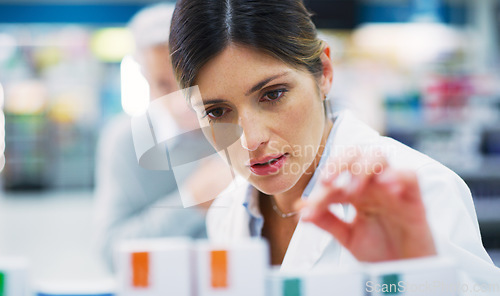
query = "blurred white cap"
{"x": 151, "y": 25}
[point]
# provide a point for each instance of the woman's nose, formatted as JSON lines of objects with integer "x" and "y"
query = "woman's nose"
{"x": 253, "y": 133}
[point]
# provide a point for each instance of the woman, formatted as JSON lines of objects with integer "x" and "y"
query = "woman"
{"x": 259, "y": 65}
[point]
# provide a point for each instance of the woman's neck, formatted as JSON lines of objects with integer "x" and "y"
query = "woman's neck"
{"x": 286, "y": 200}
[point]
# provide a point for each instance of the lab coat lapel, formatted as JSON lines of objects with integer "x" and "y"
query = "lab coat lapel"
{"x": 240, "y": 224}
{"x": 235, "y": 222}
{"x": 309, "y": 243}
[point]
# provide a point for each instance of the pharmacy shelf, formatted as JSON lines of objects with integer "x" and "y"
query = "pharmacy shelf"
{"x": 489, "y": 168}
{"x": 489, "y": 220}
{"x": 487, "y": 210}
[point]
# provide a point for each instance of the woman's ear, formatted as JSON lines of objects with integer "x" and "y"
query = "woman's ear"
{"x": 327, "y": 75}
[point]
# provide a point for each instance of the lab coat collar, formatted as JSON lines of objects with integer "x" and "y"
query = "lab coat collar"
{"x": 326, "y": 153}
{"x": 251, "y": 202}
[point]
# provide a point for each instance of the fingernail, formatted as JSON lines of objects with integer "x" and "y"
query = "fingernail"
{"x": 343, "y": 180}
{"x": 353, "y": 185}
{"x": 306, "y": 213}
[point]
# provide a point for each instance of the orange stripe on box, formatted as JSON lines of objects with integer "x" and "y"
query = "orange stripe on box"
{"x": 140, "y": 270}
{"x": 218, "y": 264}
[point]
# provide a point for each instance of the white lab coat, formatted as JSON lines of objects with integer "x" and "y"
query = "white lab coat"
{"x": 449, "y": 209}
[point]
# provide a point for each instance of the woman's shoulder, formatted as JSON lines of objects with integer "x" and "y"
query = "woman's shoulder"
{"x": 352, "y": 133}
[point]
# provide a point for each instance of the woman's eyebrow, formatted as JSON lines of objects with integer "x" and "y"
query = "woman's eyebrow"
{"x": 265, "y": 81}
{"x": 208, "y": 102}
{"x": 213, "y": 101}
{"x": 255, "y": 88}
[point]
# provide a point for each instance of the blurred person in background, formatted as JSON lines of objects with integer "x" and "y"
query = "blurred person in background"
{"x": 133, "y": 202}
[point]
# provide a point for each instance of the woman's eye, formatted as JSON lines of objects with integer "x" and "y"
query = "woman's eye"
{"x": 274, "y": 95}
{"x": 216, "y": 113}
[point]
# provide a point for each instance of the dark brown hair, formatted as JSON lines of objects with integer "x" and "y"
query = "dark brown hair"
{"x": 201, "y": 29}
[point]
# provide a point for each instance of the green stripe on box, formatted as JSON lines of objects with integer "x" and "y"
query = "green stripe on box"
{"x": 390, "y": 284}
{"x": 2, "y": 284}
{"x": 291, "y": 287}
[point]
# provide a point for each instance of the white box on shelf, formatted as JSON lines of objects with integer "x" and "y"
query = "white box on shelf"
{"x": 338, "y": 282}
{"x": 155, "y": 267}
{"x": 237, "y": 268}
{"x": 14, "y": 276}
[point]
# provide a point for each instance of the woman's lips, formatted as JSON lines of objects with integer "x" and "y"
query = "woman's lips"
{"x": 268, "y": 165}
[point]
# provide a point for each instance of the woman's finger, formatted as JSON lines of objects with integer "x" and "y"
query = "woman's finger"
{"x": 325, "y": 195}
{"x": 360, "y": 165}
{"x": 340, "y": 163}
{"x": 329, "y": 222}
{"x": 402, "y": 183}
{"x": 346, "y": 186}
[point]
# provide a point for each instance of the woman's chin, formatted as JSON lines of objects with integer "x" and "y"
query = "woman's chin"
{"x": 272, "y": 185}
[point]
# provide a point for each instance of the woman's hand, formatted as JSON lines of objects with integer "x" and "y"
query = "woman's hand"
{"x": 390, "y": 220}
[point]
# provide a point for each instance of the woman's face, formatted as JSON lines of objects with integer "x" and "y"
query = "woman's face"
{"x": 279, "y": 108}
